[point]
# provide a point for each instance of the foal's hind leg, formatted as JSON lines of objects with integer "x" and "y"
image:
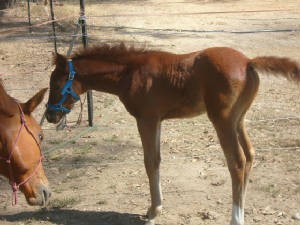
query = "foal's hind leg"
{"x": 149, "y": 130}
{"x": 236, "y": 160}
{"x": 248, "y": 151}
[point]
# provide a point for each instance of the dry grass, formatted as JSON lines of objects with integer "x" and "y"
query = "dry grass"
{"x": 65, "y": 202}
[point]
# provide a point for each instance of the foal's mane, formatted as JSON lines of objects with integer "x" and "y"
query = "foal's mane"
{"x": 175, "y": 72}
{"x": 108, "y": 52}
{"x": 7, "y": 103}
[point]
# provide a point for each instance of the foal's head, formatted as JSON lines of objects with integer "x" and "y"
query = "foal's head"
{"x": 20, "y": 153}
{"x": 64, "y": 90}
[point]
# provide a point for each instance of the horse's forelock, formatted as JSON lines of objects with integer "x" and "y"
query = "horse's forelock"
{"x": 58, "y": 59}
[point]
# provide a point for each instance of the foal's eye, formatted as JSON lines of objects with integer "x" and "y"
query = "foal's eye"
{"x": 55, "y": 87}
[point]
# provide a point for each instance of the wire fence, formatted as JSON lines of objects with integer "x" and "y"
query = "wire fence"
{"x": 177, "y": 32}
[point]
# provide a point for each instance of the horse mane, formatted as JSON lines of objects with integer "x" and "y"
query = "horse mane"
{"x": 176, "y": 72}
{"x": 7, "y": 103}
{"x": 109, "y": 52}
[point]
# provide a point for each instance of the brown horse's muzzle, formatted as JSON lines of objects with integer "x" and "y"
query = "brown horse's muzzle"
{"x": 36, "y": 190}
{"x": 42, "y": 196}
{"x": 38, "y": 195}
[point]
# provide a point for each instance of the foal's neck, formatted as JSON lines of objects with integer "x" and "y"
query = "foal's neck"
{"x": 99, "y": 75}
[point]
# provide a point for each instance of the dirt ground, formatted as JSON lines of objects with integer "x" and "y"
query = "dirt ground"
{"x": 97, "y": 174}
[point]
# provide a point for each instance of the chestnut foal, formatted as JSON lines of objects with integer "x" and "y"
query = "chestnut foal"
{"x": 20, "y": 153}
{"x": 155, "y": 85}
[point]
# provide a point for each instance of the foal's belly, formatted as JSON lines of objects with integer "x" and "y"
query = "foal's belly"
{"x": 187, "y": 109}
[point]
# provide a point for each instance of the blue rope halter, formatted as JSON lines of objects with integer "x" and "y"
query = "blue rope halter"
{"x": 66, "y": 90}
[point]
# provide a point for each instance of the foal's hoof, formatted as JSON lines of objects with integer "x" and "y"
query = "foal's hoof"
{"x": 154, "y": 212}
{"x": 234, "y": 223}
{"x": 150, "y": 222}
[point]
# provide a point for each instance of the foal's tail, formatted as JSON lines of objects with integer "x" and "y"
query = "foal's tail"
{"x": 277, "y": 66}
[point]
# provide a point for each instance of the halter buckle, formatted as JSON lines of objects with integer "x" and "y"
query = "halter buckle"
{"x": 72, "y": 72}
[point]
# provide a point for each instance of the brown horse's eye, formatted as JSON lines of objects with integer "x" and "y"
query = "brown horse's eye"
{"x": 41, "y": 136}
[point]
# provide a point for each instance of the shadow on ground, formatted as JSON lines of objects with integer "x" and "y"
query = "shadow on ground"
{"x": 76, "y": 217}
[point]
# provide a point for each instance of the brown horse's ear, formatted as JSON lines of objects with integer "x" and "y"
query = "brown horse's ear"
{"x": 32, "y": 103}
{"x": 58, "y": 59}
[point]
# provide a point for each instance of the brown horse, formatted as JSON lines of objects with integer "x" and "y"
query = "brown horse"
{"x": 20, "y": 153}
{"x": 155, "y": 86}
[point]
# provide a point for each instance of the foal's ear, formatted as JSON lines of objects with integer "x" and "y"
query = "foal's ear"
{"x": 58, "y": 59}
{"x": 32, "y": 103}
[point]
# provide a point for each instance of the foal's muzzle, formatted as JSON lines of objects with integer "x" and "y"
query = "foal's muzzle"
{"x": 53, "y": 116}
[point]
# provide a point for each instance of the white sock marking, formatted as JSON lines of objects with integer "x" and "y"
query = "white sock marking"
{"x": 237, "y": 215}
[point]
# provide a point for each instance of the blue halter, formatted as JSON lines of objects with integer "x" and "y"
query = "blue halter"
{"x": 66, "y": 90}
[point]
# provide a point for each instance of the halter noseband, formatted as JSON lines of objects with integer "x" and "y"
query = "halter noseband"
{"x": 66, "y": 90}
{"x": 15, "y": 187}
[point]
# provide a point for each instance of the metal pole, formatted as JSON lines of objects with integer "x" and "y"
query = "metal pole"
{"x": 84, "y": 42}
{"x": 53, "y": 24}
{"x": 29, "y": 17}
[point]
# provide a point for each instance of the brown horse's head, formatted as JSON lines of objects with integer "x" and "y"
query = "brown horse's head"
{"x": 20, "y": 153}
{"x": 64, "y": 91}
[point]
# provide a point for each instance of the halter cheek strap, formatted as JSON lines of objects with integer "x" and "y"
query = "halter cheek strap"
{"x": 15, "y": 187}
{"x": 65, "y": 92}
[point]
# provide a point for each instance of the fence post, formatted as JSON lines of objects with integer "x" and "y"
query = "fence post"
{"x": 84, "y": 42}
{"x": 29, "y": 17}
{"x": 53, "y": 24}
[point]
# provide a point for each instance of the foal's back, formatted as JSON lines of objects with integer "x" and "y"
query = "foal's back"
{"x": 177, "y": 85}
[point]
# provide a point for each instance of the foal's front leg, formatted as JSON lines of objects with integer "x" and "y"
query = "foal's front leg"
{"x": 149, "y": 130}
